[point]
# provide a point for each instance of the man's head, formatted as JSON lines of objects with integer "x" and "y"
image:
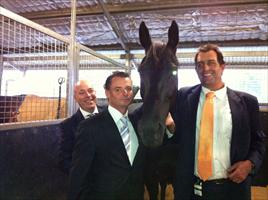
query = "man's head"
{"x": 209, "y": 65}
{"x": 118, "y": 90}
{"x": 85, "y": 95}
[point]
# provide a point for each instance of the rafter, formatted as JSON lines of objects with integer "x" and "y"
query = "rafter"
{"x": 137, "y": 7}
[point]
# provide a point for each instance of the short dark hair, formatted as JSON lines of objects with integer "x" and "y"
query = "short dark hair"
{"x": 114, "y": 74}
{"x": 209, "y": 47}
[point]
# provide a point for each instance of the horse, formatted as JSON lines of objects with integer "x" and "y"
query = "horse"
{"x": 158, "y": 82}
{"x": 22, "y": 108}
{"x": 158, "y": 87}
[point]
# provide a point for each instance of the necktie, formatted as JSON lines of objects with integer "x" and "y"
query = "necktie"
{"x": 205, "y": 149}
{"x": 90, "y": 115}
{"x": 124, "y": 132}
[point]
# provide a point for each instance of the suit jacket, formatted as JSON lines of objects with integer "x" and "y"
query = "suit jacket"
{"x": 68, "y": 129}
{"x": 247, "y": 138}
{"x": 100, "y": 166}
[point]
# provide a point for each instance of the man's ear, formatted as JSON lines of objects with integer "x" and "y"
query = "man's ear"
{"x": 107, "y": 93}
{"x": 222, "y": 66}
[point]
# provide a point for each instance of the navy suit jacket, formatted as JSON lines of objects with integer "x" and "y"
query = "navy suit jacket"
{"x": 68, "y": 129}
{"x": 247, "y": 137}
{"x": 100, "y": 165}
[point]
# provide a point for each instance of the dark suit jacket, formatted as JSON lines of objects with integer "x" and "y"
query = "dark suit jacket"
{"x": 68, "y": 129}
{"x": 100, "y": 166}
{"x": 247, "y": 138}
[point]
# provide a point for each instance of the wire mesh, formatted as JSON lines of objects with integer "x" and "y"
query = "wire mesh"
{"x": 31, "y": 62}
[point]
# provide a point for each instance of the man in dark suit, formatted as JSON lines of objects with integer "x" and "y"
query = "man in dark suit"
{"x": 237, "y": 139}
{"x": 85, "y": 96}
{"x": 108, "y": 155}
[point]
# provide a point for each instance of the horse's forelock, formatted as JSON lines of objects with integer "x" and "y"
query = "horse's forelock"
{"x": 156, "y": 51}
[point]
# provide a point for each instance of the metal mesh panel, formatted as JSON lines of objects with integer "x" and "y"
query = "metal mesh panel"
{"x": 31, "y": 62}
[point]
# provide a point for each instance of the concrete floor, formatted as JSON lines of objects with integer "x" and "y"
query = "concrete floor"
{"x": 257, "y": 193}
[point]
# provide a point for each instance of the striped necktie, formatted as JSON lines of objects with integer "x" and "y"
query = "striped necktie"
{"x": 205, "y": 149}
{"x": 90, "y": 115}
{"x": 124, "y": 132}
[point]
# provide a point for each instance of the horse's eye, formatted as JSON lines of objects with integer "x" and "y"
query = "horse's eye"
{"x": 174, "y": 69}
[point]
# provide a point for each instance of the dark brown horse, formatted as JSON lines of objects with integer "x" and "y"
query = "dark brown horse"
{"x": 159, "y": 83}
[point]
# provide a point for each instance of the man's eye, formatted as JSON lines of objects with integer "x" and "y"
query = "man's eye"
{"x": 200, "y": 65}
{"x": 211, "y": 63}
{"x": 129, "y": 89}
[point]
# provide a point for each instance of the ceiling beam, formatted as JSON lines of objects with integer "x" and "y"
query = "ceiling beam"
{"x": 239, "y": 43}
{"x": 138, "y": 7}
{"x": 113, "y": 24}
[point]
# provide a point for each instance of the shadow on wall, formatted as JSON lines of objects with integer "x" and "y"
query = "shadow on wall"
{"x": 28, "y": 165}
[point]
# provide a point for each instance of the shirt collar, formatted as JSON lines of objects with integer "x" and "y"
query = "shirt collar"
{"x": 86, "y": 113}
{"x": 116, "y": 115}
{"x": 220, "y": 94}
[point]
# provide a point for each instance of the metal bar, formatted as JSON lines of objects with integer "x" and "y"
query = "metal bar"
{"x": 137, "y": 7}
{"x": 73, "y": 63}
{"x": 92, "y": 52}
{"x": 32, "y": 24}
{"x": 114, "y": 26}
{"x": 12, "y": 126}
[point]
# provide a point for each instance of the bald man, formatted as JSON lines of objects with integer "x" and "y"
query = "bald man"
{"x": 85, "y": 96}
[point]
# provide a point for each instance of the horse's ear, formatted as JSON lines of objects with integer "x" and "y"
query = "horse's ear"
{"x": 173, "y": 36}
{"x": 145, "y": 38}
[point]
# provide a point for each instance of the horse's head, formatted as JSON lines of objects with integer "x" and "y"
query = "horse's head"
{"x": 158, "y": 75}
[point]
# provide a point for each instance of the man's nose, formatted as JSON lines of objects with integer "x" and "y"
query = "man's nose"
{"x": 124, "y": 91}
{"x": 89, "y": 94}
{"x": 206, "y": 66}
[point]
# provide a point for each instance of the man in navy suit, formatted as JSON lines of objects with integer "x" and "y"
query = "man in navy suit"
{"x": 103, "y": 166}
{"x": 238, "y": 145}
{"x": 85, "y": 96}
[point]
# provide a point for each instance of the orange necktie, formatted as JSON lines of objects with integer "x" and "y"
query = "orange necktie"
{"x": 205, "y": 149}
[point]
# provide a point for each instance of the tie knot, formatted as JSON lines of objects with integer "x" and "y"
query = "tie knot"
{"x": 90, "y": 115}
{"x": 124, "y": 120}
{"x": 210, "y": 95}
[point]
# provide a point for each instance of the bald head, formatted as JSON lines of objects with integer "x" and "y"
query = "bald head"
{"x": 85, "y": 95}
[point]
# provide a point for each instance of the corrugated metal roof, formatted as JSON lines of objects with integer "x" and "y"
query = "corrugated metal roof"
{"x": 226, "y": 21}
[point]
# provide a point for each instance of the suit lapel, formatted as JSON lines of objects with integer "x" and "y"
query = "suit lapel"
{"x": 193, "y": 99}
{"x": 78, "y": 115}
{"x": 114, "y": 135}
{"x": 139, "y": 153}
{"x": 236, "y": 110}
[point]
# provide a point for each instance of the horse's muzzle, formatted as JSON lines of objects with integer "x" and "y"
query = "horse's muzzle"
{"x": 151, "y": 134}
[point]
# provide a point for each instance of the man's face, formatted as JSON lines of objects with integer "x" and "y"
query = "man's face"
{"x": 120, "y": 93}
{"x": 209, "y": 70}
{"x": 85, "y": 96}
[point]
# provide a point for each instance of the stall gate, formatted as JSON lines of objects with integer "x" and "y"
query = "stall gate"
{"x": 35, "y": 70}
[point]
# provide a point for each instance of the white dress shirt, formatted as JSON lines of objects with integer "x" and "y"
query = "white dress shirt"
{"x": 222, "y": 132}
{"x": 86, "y": 113}
{"x": 116, "y": 115}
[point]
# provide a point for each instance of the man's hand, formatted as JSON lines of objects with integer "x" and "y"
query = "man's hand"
{"x": 240, "y": 170}
{"x": 170, "y": 124}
